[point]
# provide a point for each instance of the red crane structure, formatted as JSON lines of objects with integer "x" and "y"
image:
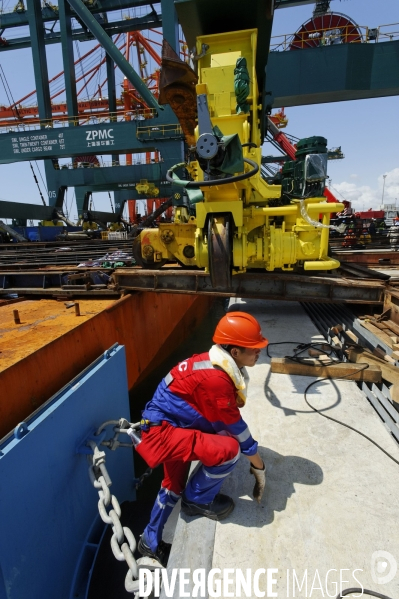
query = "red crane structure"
{"x": 137, "y": 48}
{"x": 326, "y": 29}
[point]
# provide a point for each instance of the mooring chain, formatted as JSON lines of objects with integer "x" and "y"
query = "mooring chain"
{"x": 123, "y": 426}
{"x": 123, "y": 542}
{"x": 142, "y": 478}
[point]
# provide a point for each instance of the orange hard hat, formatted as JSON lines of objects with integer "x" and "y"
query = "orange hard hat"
{"x": 241, "y": 329}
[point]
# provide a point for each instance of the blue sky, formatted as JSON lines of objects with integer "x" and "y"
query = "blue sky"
{"x": 367, "y": 130}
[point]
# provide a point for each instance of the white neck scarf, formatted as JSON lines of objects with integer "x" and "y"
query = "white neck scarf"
{"x": 220, "y": 357}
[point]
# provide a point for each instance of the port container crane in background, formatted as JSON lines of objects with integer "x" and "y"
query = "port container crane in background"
{"x": 161, "y": 137}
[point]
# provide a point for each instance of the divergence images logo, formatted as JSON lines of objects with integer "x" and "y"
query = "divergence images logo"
{"x": 383, "y": 567}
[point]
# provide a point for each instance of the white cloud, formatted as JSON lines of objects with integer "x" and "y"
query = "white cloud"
{"x": 354, "y": 176}
{"x": 364, "y": 197}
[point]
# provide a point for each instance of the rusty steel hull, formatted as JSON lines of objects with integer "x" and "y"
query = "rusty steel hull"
{"x": 373, "y": 257}
{"x": 289, "y": 287}
{"x": 150, "y": 326}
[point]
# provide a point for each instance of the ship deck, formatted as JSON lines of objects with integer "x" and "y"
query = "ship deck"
{"x": 41, "y": 321}
{"x": 331, "y": 495}
{"x": 52, "y": 345}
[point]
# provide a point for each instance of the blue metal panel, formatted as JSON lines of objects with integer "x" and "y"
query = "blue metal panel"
{"x": 47, "y": 503}
{"x": 43, "y": 233}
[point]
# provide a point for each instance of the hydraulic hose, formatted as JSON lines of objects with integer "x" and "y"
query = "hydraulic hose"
{"x": 296, "y": 358}
{"x": 362, "y": 592}
{"x": 249, "y": 144}
{"x": 198, "y": 184}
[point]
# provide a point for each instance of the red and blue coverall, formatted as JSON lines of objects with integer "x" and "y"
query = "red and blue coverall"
{"x": 196, "y": 417}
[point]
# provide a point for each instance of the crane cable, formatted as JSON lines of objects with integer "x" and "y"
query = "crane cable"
{"x": 8, "y": 91}
{"x": 70, "y": 207}
{"x": 83, "y": 74}
{"x": 37, "y": 183}
{"x": 302, "y": 347}
{"x": 112, "y": 206}
{"x": 41, "y": 176}
{"x": 11, "y": 102}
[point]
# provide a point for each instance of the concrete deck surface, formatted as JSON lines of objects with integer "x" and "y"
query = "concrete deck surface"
{"x": 331, "y": 498}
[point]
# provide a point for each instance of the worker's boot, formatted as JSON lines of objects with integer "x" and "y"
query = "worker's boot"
{"x": 161, "y": 554}
{"x": 218, "y": 509}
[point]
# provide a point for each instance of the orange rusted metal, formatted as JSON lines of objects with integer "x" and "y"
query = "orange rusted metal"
{"x": 51, "y": 346}
{"x": 177, "y": 88}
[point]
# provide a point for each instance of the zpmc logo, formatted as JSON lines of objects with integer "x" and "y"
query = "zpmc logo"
{"x": 96, "y": 134}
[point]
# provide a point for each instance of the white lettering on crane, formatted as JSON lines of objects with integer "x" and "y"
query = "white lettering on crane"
{"x": 93, "y": 134}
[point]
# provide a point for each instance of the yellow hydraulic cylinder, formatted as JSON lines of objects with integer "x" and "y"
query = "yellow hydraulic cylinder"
{"x": 292, "y": 210}
{"x": 324, "y": 262}
{"x": 321, "y": 264}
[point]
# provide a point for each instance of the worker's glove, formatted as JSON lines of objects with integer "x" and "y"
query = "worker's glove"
{"x": 260, "y": 478}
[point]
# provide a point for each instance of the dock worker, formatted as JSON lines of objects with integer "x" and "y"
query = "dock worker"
{"x": 372, "y": 229}
{"x": 394, "y": 234}
{"x": 381, "y": 227}
{"x": 194, "y": 415}
{"x": 350, "y": 239}
{"x": 365, "y": 237}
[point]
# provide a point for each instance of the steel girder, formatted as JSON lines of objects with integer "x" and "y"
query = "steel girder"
{"x": 266, "y": 286}
{"x": 23, "y": 211}
{"x": 81, "y": 35}
{"x": 51, "y": 143}
{"x": 106, "y": 138}
{"x": 288, "y": 287}
{"x": 333, "y": 73}
{"x": 49, "y": 13}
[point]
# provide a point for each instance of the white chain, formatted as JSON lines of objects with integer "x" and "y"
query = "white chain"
{"x": 123, "y": 542}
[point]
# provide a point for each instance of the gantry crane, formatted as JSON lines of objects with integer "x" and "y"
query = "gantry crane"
{"x": 80, "y": 129}
{"x": 227, "y": 218}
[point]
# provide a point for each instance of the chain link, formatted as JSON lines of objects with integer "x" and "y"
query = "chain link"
{"x": 142, "y": 478}
{"x": 121, "y": 427}
{"x": 123, "y": 542}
